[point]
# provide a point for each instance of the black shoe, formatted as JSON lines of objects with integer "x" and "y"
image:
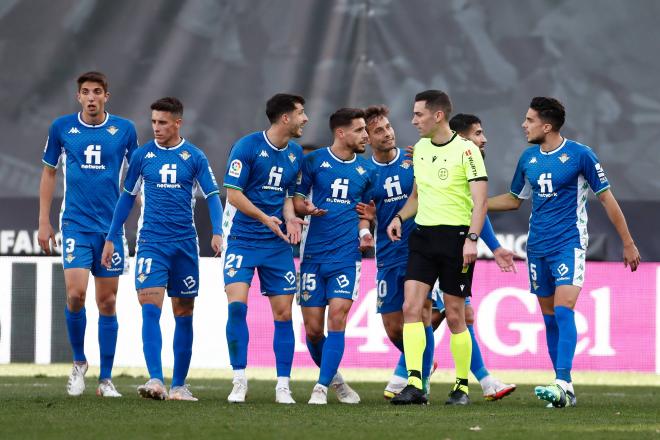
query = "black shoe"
{"x": 410, "y": 395}
{"x": 458, "y": 397}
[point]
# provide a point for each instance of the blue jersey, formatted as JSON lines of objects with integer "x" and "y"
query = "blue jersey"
{"x": 92, "y": 157}
{"x": 168, "y": 179}
{"x": 394, "y": 185}
{"x": 558, "y": 182}
{"x": 266, "y": 175}
{"x": 338, "y": 186}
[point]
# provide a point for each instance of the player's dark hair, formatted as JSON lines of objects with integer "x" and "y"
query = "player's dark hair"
{"x": 435, "y": 100}
{"x": 344, "y": 117}
{"x": 169, "y": 104}
{"x": 92, "y": 76}
{"x": 550, "y": 110}
{"x": 375, "y": 112}
{"x": 462, "y": 122}
{"x": 280, "y": 104}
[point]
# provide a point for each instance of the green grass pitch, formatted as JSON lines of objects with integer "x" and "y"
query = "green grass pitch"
{"x": 37, "y": 407}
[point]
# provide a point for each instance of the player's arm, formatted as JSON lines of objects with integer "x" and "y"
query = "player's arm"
{"x": 237, "y": 199}
{"x": 504, "y": 202}
{"x": 122, "y": 210}
{"x": 293, "y": 223}
{"x": 408, "y": 210}
{"x": 46, "y": 235}
{"x": 631, "y": 255}
{"x": 503, "y": 256}
{"x": 479, "y": 193}
{"x": 366, "y": 238}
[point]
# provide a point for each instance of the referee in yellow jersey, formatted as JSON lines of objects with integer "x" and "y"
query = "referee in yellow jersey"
{"x": 449, "y": 203}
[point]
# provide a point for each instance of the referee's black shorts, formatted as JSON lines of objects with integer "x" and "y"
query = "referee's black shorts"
{"x": 436, "y": 252}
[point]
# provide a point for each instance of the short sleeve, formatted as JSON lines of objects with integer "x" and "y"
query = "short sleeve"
{"x": 520, "y": 188}
{"x": 53, "y": 148}
{"x": 304, "y": 181}
{"x": 131, "y": 142}
{"x": 473, "y": 164}
{"x": 238, "y": 167}
{"x": 205, "y": 177}
{"x": 133, "y": 180}
{"x": 593, "y": 172}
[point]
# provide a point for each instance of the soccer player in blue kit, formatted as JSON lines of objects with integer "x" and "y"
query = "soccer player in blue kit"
{"x": 168, "y": 170}
{"x": 333, "y": 181}
{"x": 556, "y": 173}
{"x": 91, "y": 145}
{"x": 260, "y": 179}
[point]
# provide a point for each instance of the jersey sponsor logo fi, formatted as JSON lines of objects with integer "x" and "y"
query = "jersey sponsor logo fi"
{"x": 168, "y": 176}
{"x": 393, "y": 189}
{"x": 235, "y": 168}
{"x": 274, "y": 179}
{"x": 93, "y": 158}
{"x": 339, "y": 191}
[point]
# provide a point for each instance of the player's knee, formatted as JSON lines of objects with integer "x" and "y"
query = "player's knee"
{"x": 412, "y": 311}
{"x": 436, "y": 319}
{"x": 107, "y": 305}
{"x": 75, "y": 299}
{"x": 337, "y": 320}
{"x": 313, "y": 333}
{"x": 183, "y": 306}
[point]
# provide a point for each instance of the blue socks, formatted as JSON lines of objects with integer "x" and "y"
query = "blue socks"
{"x": 283, "y": 346}
{"x": 316, "y": 351}
{"x": 566, "y": 342}
{"x": 108, "y": 328}
{"x": 427, "y": 357}
{"x": 333, "y": 350}
{"x": 551, "y": 338}
{"x": 238, "y": 335}
{"x": 183, "y": 341}
{"x": 152, "y": 340}
{"x": 76, "y": 322}
{"x": 477, "y": 362}
{"x": 400, "y": 370}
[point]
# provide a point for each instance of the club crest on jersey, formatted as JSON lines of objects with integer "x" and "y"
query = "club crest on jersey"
{"x": 149, "y": 155}
{"x": 533, "y": 160}
{"x": 112, "y": 130}
{"x": 74, "y": 130}
{"x": 360, "y": 170}
{"x": 263, "y": 153}
{"x": 185, "y": 155}
{"x": 69, "y": 258}
{"x": 306, "y": 296}
{"x": 292, "y": 157}
{"x": 231, "y": 272}
{"x": 564, "y": 157}
{"x": 325, "y": 164}
{"x": 235, "y": 168}
{"x": 405, "y": 164}
{"x": 141, "y": 277}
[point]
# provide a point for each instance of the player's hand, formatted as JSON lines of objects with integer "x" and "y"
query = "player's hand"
{"x": 394, "y": 229}
{"x": 216, "y": 244}
{"x": 366, "y": 242}
{"x": 294, "y": 229}
{"x": 312, "y": 210}
{"x": 631, "y": 257}
{"x": 106, "y": 256}
{"x": 469, "y": 252}
{"x": 504, "y": 259}
{"x": 366, "y": 211}
{"x": 410, "y": 149}
{"x": 273, "y": 223}
{"x": 46, "y": 237}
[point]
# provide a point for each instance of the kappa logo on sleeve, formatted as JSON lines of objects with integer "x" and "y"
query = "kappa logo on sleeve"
{"x": 235, "y": 168}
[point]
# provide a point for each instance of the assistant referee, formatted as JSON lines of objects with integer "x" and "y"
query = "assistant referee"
{"x": 449, "y": 202}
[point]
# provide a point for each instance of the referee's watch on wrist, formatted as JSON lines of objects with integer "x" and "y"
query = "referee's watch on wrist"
{"x": 473, "y": 237}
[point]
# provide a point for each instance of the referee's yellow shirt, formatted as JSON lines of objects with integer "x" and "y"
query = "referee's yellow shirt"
{"x": 442, "y": 173}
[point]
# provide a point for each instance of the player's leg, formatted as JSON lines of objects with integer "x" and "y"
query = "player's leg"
{"x": 77, "y": 258}
{"x": 493, "y": 388}
{"x": 277, "y": 276}
{"x": 106, "y": 281}
{"x": 312, "y": 301}
{"x": 389, "y": 305}
{"x": 238, "y": 270}
{"x": 333, "y": 349}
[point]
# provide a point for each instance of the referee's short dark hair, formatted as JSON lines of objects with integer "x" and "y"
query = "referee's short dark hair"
{"x": 550, "y": 110}
{"x": 169, "y": 104}
{"x": 435, "y": 100}
{"x": 462, "y": 122}
{"x": 344, "y": 117}
{"x": 280, "y": 104}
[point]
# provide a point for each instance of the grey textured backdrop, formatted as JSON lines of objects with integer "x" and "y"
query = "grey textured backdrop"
{"x": 225, "y": 58}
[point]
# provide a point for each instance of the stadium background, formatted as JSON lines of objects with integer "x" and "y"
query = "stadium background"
{"x": 225, "y": 58}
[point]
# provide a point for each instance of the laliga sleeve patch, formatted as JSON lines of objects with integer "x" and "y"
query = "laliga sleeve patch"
{"x": 235, "y": 168}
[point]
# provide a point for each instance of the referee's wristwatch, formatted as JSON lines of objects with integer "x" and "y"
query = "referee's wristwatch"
{"x": 473, "y": 237}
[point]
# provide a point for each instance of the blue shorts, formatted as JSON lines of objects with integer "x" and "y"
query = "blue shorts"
{"x": 389, "y": 286}
{"x": 321, "y": 282}
{"x": 564, "y": 267}
{"x": 84, "y": 249}
{"x": 275, "y": 267}
{"x": 170, "y": 264}
{"x": 438, "y": 296}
